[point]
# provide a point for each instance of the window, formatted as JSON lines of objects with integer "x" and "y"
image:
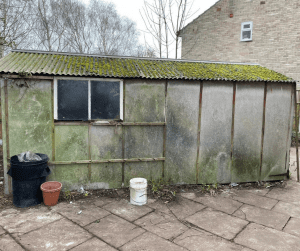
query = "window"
{"x": 246, "y": 31}
{"x": 88, "y": 99}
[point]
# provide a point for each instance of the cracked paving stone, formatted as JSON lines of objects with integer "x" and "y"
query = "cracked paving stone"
{"x": 59, "y": 235}
{"x": 218, "y": 223}
{"x": 115, "y": 230}
{"x": 94, "y": 245}
{"x": 162, "y": 224}
{"x": 182, "y": 208}
{"x": 253, "y": 199}
{"x": 89, "y": 213}
{"x": 293, "y": 227}
{"x": 287, "y": 208}
{"x": 198, "y": 240}
{"x": 21, "y": 222}
{"x": 151, "y": 242}
{"x": 126, "y": 210}
{"x": 262, "y": 238}
{"x": 9, "y": 244}
{"x": 220, "y": 203}
{"x": 262, "y": 216}
{"x": 2, "y": 231}
{"x": 189, "y": 196}
{"x": 102, "y": 201}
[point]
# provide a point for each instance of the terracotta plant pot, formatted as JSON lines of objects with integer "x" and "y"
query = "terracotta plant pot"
{"x": 51, "y": 191}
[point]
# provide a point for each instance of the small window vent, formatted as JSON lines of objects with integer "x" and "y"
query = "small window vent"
{"x": 246, "y": 31}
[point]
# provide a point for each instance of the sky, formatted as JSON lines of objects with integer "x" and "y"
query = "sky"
{"x": 132, "y": 8}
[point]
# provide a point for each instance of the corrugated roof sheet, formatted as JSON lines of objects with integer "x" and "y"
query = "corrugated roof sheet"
{"x": 83, "y": 65}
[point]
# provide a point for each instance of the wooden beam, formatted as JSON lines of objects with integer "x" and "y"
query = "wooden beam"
{"x": 105, "y": 161}
{"x": 263, "y": 130}
{"x": 198, "y": 133}
{"x": 28, "y": 77}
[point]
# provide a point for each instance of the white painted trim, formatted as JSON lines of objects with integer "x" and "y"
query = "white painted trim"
{"x": 121, "y": 100}
{"x": 55, "y": 99}
{"x": 89, "y": 101}
{"x": 248, "y": 29}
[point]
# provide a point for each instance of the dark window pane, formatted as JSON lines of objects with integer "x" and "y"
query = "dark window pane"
{"x": 72, "y": 99}
{"x": 247, "y": 26}
{"x": 105, "y": 100}
{"x": 246, "y": 34}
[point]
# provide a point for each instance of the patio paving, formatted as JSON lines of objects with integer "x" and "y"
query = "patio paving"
{"x": 239, "y": 220}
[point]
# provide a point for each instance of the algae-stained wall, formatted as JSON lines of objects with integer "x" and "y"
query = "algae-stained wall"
{"x": 278, "y": 110}
{"x": 215, "y": 133}
{"x": 29, "y": 118}
{"x": 248, "y": 121}
{"x": 182, "y": 111}
{"x": 224, "y": 147}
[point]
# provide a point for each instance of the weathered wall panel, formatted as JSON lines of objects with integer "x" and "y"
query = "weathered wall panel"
{"x": 30, "y": 116}
{"x": 145, "y": 101}
{"x": 289, "y": 139}
{"x": 248, "y": 119}
{"x": 106, "y": 143}
{"x": 215, "y": 133}
{"x": 276, "y": 128}
{"x": 71, "y": 144}
{"x": 182, "y": 126}
{"x": 143, "y": 142}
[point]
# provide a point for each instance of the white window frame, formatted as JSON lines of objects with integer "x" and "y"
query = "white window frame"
{"x": 248, "y": 29}
{"x": 89, "y": 93}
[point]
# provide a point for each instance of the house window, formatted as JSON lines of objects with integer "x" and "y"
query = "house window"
{"x": 246, "y": 31}
{"x": 88, "y": 99}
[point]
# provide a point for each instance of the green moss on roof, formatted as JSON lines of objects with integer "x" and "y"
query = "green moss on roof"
{"x": 80, "y": 65}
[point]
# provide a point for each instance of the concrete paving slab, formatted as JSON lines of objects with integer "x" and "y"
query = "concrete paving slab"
{"x": 218, "y": 223}
{"x": 253, "y": 199}
{"x": 198, "y": 240}
{"x": 82, "y": 214}
{"x": 115, "y": 230}
{"x": 261, "y": 192}
{"x": 151, "y": 242}
{"x": 293, "y": 227}
{"x": 7, "y": 243}
{"x": 93, "y": 244}
{"x": 102, "y": 201}
{"x": 189, "y": 196}
{"x": 126, "y": 210}
{"x": 59, "y": 235}
{"x": 23, "y": 221}
{"x": 182, "y": 207}
{"x": 220, "y": 203}
{"x": 262, "y": 216}
{"x": 287, "y": 208}
{"x": 162, "y": 225}
{"x": 262, "y": 238}
{"x": 285, "y": 194}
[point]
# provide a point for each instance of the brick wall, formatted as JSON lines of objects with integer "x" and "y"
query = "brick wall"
{"x": 276, "y": 34}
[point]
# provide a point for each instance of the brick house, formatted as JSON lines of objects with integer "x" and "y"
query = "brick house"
{"x": 265, "y": 32}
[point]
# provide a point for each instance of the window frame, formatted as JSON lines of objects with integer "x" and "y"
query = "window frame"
{"x": 55, "y": 93}
{"x": 248, "y": 29}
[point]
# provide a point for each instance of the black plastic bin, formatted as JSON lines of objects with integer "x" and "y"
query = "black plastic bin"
{"x": 27, "y": 177}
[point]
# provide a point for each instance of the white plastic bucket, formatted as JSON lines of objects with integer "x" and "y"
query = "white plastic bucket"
{"x": 138, "y": 191}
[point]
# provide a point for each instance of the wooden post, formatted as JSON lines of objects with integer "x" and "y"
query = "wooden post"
{"x": 198, "y": 134}
{"x": 263, "y": 130}
{"x": 297, "y": 126}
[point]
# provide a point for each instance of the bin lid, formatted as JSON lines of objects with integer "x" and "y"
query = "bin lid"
{"x": 29, "y": 170}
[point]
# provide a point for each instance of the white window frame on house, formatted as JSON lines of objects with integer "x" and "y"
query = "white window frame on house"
{"x": 89, "y": 93}
{"x": 246, "y": 29}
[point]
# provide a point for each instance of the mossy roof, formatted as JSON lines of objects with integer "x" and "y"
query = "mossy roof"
{"x": 86, "y": 65}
